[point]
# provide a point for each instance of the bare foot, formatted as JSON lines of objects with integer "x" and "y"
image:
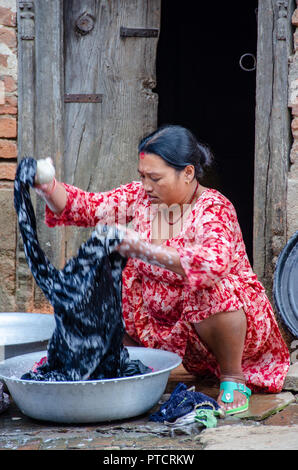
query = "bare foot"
{"x": 239, "y": 398}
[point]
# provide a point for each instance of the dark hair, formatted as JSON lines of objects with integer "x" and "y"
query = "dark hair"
{"x": 178, "y": 147}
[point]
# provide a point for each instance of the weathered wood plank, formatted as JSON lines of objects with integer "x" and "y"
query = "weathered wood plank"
{"x": 49, "y": 90}
{"x": 272, "y": 144}
{"x": 264, "y": 80}
{"x": 41, "y": 103}
{"x": 280, "y": 130}
{"x": 26, "y": 140}
{"x": 101, "y": 138}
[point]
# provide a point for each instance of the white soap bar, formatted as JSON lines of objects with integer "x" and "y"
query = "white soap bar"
{"x": 45, "y": 171}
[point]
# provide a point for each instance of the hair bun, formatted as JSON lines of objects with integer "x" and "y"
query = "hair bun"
{"x": 206, "y": 156}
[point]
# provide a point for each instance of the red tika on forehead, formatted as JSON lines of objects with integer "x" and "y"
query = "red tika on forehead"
{"x": 142, "y": 154}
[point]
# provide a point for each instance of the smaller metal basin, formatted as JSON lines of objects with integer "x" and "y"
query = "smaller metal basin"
{"x": 22, "y": 333}
{"x": 89, "y": 401}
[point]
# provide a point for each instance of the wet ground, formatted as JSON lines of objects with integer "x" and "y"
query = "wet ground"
{"x": 271, "y": 422}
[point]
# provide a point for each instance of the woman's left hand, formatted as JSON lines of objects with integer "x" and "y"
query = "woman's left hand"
{"x": 131, "y": 246}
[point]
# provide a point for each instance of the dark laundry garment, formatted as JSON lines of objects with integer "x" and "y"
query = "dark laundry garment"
{"x": 86, "y": 297}
{"x": 182, "y": 402}
{"x": 4, "y": 399}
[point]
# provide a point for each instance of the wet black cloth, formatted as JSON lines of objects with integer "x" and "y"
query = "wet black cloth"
{"x": 86, "y": 297}
{"x": 4, "y": 399}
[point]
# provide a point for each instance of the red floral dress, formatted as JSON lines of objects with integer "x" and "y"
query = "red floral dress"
{"x": 160, "y": 306}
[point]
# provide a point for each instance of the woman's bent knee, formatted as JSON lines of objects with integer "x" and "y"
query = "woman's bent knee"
{"x": 222, "y": 326}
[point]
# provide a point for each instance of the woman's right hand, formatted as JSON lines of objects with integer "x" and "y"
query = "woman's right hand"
{"x": 48, "y": 188}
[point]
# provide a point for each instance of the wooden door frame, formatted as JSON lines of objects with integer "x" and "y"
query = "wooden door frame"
{"x": 40, "y": 117}
{"x": 272, "y": 126}
{"x": 272, "y": 135}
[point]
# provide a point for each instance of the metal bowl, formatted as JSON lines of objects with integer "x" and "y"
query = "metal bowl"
{"x": 89, "y": 401}
{"x": 22, "y": 333}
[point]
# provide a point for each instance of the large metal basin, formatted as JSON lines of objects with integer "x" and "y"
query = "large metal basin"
{"x": 89, "y": 401}
{"x": 22, "y": 333}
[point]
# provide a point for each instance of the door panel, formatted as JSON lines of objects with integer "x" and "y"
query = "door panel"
{"x": 101, "y": 138}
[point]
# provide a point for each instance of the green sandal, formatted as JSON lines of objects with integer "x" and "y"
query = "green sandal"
{"x": 228, "y": 388}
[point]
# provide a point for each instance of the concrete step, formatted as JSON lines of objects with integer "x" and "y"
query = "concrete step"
{"x": 245, "y": 437}
{"x": 291, "y": 382}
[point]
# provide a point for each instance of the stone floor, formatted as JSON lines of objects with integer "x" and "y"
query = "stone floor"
{"x": 271, "y": 422}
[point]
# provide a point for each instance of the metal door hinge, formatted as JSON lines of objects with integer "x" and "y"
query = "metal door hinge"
{"x": 82, "y": 98}
{"x": 138, "y": 32}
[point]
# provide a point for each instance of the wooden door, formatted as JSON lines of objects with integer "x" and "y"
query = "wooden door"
{"x": 101, "y": 138}
{"x": 86, "y": 74}
{"x": 80, "y": 48}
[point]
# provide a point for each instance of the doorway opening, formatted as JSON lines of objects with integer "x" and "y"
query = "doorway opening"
{"x": 203, "y": 85}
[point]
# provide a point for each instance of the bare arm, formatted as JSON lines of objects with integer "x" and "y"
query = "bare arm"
{"x": 164, "y": 257}
{"x": 54, "y": 195}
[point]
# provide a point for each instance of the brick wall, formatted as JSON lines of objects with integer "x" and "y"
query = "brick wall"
{"x": 8, "y": 151}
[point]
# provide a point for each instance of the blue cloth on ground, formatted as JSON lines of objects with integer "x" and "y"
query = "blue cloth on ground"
{"x": 181, "y": 402}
